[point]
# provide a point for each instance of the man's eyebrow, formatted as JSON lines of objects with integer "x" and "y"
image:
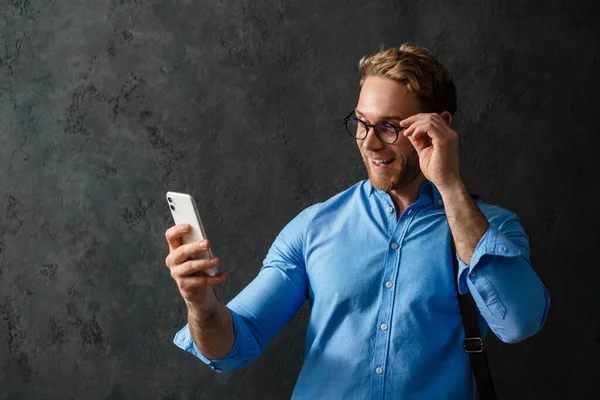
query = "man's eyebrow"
{"x": 384, "y": 118}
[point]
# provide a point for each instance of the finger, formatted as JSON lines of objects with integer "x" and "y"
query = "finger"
{"x": 439, "y": 120}
{"x": 184, "y": 252}
{"x": 419, "y": 142}
{"x": 187, "y": 251}
{"x": 421, "y": 133}
{"x": 405, "y": 123}
{"x": 424, "y": 118}
{"x": 174, "y": 234}
{"x": 410, "y": 130}
{"x": 193, "y": 267}
{"x": 429, "y": 128}
{"x": 441, "y": 135}
{"x": 192, "y": 283}
{"x": 417, "y": 129}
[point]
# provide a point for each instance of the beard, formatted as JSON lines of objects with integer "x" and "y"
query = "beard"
{"x": 401, "y": 172}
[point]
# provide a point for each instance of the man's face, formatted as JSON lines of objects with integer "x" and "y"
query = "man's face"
{"x": 390, "y": 166}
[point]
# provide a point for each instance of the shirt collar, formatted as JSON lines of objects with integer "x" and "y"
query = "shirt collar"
{"x": 369, "y": 188}
{"x": 426, "y": 189}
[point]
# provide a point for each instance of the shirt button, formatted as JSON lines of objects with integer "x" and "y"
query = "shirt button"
{"x": 379, "y": 370}
{"x": 473, "y": 274}
{"x": 394, "y": 246}
{"x": 384, "y": 327}
{"x": 390, "y": 209}
{"x": 389, "y": 284}
{"x": 409, "y": 211}
{"x": 439, "y": 202}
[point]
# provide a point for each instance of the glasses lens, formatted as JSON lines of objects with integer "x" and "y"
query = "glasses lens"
{"x": 356, "y": 128}
{"x": 387, "y": 132}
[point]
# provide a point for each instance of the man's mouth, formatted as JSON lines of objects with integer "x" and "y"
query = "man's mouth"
{"x": 381, "y": 164}
{"x": 382, "y": 161}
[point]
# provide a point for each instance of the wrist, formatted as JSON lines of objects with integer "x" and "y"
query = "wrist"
{"x": 200, "y": 310}
{"x": 453, "y": 189}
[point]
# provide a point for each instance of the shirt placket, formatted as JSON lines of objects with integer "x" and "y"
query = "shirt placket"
{"x": 396, "y": 232}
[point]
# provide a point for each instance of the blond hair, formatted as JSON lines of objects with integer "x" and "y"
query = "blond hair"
{"x": 418, "y": 71}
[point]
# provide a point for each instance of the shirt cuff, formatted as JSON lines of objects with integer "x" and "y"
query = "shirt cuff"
{"x": 183, "y": 340}
{"x": 493, "y": 243}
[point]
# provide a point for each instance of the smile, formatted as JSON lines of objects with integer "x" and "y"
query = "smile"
{"x": 381, "y": 161}
{"x": 381, "y": 164}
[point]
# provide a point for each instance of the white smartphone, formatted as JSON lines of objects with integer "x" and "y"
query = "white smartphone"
{"x": 184, "y": 211}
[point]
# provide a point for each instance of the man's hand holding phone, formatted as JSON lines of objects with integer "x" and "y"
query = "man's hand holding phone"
{"x": 194, "y": 269}
{"x": 189, "y": 274}
{"x": 210, "y": 321}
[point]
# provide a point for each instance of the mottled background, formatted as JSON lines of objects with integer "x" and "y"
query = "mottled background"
{"x": 105, "y": 105}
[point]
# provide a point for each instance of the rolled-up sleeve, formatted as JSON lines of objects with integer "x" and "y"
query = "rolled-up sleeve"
{"x": 510, "y": 296}
{"x": 242, "y": 352}
{"x": 267, "y": 304}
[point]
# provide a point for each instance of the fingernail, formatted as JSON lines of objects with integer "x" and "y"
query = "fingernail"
{"x": 214, "y": 261}
{"x": 202, "y": 244}
{"x": 185, "y": 228}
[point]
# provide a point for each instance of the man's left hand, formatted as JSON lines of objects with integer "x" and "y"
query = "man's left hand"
{"x": 437, "y": 147}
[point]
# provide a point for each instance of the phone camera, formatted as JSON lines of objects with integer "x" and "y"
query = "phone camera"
{"x": 173, "y": 207}
{"x": 170, "y": 199}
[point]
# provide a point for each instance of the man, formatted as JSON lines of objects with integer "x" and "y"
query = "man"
{"x": 375, "y": 261}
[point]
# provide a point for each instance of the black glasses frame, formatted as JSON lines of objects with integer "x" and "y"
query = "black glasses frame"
{"x": 349, "y": 117}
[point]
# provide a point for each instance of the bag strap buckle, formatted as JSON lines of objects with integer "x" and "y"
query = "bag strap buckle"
{"x": 473, "y": 345}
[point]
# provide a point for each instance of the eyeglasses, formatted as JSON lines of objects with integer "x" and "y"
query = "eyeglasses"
{"x": 385, "y": 132}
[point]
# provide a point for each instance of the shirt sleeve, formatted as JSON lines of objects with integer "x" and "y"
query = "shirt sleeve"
{"x": 510, "y": 296}
{"x": 268, "y": 303}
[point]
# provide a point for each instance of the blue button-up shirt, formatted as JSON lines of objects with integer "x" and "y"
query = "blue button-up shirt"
{"x": 385, "y": 320}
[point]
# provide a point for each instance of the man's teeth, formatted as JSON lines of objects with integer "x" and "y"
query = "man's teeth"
{"x": 380, "y": 162}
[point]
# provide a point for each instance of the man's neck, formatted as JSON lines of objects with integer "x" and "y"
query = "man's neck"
{"x": 407, "y": 195}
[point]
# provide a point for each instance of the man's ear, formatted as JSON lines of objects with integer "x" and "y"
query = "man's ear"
{"x": 446, "y": 116}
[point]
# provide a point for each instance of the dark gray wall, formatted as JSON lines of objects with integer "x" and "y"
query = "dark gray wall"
{"x": 106, "y": 105}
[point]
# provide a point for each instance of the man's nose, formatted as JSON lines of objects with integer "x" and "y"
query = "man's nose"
{"x": 371, "y": 142}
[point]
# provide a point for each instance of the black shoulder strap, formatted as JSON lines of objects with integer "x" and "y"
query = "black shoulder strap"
{"x": 473, "y": 343}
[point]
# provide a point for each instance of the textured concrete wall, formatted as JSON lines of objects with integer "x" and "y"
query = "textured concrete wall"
{"x": 105, "y": 105}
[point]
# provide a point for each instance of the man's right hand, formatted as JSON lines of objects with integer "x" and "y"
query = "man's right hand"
{"x": 194, "y": 285}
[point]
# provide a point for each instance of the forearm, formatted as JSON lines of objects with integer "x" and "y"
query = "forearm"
{"x": 509, "y": 294}
{"x": 211, "y": 327}
{"x": 467, "y": 223}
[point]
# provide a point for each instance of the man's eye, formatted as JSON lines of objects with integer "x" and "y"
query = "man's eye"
{"x": 387, "y": 127}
